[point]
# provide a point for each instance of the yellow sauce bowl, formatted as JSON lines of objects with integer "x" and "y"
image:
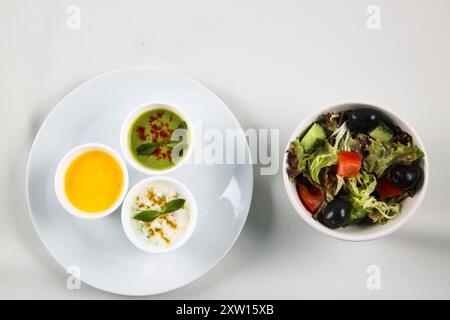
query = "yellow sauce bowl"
{"x": 91, "y": 181}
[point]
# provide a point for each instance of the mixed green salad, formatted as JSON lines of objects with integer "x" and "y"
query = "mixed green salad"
{"x": 354, "y": 167}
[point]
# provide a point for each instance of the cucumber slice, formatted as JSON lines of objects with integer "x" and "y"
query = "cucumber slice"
{"x": 382, "y": 132}
{"x": 314, "y": 137}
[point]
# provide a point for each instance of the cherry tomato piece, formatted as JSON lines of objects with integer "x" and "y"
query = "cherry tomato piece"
{"x": 311, "y": 197}
{"x": 386, "y": 189}
{"x": 349, "y": 164}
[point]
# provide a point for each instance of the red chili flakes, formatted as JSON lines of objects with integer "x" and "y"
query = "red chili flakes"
{"x": 157, "y": 153}
{"x": 141, "y": 133}
{"x": 164, "y": 134}
{"x": 160, "y": 132}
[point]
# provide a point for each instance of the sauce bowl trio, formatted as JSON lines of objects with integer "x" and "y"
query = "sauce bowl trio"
{"x": 159, "y": 213}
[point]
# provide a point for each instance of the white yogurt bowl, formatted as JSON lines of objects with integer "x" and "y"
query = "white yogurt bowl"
{"x": 60, "y": 180}
{"x": 358, "y": 232}
{"x": 176, "y": 227}
{"x": 125, "y": 136}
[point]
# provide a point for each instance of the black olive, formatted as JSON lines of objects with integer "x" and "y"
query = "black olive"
{"x": 363, "y": 120}
{"x": 336, "y": 214}
{"x": 406, "y": 177}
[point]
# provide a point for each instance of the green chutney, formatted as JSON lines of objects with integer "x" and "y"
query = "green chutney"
{"x": 150, "y": 138}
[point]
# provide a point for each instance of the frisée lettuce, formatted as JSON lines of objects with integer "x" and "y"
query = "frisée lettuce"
{"x": 360, "y": 191}
{"x": 382, "y": 155}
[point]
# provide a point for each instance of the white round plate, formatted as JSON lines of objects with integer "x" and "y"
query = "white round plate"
{"x": 94, "y": 112}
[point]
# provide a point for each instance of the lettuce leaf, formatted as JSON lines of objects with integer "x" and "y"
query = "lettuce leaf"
{"x": 330, "y": 183}
{"x": 344, "y": 140}
{"x": 324, "y": 157}
{"x": 358, "y": 143}
{"x": 383, "y": 212}
{"x": 360, "y": 189}
{"x": 340, "y": 137}
{"x": 382, "y": 155}
{"x": 296, "y": 159}
{"x": 332, "y": 121}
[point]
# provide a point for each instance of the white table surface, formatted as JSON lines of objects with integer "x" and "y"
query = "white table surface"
{"x": 272, "y": 63}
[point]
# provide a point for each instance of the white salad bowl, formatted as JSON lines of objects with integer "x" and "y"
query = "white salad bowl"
{"x": 127, "y": 212}
{"x": 125, "y": 131}
{"x": 60, "y": 176}
{"x": 359, "y": 232}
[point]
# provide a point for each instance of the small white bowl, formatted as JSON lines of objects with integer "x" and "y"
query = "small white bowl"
{"x": 358, "y": 233}
{"x": 127, "y": 211}
{"x": 125, "y": 132}
{"x": 60, "y": 177}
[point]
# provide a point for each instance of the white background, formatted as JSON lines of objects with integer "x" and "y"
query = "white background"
{"x": 272, "y": 63}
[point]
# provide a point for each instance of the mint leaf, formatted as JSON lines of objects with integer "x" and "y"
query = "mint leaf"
{"x": 173, "y": 205}
{"x": 147, "y": 216}
{"x": 146, "y": 149}
{"x": 183, "y": 125}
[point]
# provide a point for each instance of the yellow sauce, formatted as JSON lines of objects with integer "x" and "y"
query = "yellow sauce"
{"x": 94, "y": 181}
